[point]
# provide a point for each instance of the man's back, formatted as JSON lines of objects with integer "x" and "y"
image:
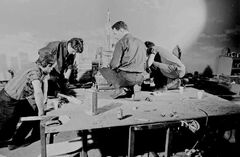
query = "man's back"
{"x": 129, "y": 54}
{"x": 170, "y": 59}
{"x": 59, "y": 50}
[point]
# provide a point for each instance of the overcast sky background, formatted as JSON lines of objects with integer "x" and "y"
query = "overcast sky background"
{"x": 202, "y": 28}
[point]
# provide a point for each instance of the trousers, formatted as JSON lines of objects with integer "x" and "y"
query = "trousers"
{"x": 121, "y": 79}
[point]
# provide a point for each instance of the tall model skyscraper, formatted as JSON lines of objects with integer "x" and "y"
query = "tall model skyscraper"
{"x": 108, "y": 28}
{"x": 104, "y": 53}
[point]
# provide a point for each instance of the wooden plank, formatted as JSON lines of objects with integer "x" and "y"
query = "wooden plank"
{"x": 35, "y": 118}
{"x": 43, "y": 140}
{"x": 168, "y": 142}
{"x": 84, "y": 143}
{"x": 131, "y": 141}
{"x": 157, "y": 125}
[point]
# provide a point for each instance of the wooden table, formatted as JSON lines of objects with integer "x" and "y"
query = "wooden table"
{"x": 153, "y": 109}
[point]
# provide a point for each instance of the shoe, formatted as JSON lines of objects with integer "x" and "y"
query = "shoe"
{"x": 123, "y": 93}
{"x": 173, "y": 84}
{"x": 129, "y": 92}
{"x": 31, "y": 139}
{"x": 13, "y": 146}
{"x": 119, "y": 93}
{"x": 4, "y": 143}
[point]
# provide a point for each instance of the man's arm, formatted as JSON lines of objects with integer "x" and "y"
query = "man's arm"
{"x": 168, "y": 56}
{"x": 151, "y": 57}
{"x": 173, "y": 64}
{"x": 45, "y": 88}
{"x": 165, "y": 67}
{"x": 151, "y": 61}
{"x": 117, "y": 54}
{"x": 38, "y": 95}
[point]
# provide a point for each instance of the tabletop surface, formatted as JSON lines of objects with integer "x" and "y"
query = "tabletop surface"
{"x": 147, "y": 107}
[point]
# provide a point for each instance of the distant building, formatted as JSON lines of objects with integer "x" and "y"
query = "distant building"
{"x": 14, "y": 64}
{"x": 3, "y": 67}
{"x": 104, "y": 54}
{"x": 24, "y": 60}
{"x": 110, "y": 44}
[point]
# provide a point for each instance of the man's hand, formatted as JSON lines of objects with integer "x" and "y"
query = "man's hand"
{"x": 40, "y": 113}
{"x": 148, "y": 70}
{"x": 45, "y": 100}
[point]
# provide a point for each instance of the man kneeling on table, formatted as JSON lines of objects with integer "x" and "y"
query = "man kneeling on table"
{"x": 165, "y": 68}
{"x": 128, "y": 63}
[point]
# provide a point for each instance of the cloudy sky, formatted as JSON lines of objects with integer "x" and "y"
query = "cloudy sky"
{"x": 222, "y": 29}
{"x": 200, "y": 27}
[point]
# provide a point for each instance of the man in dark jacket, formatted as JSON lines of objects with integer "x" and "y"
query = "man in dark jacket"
{"x": 64, "y": 53}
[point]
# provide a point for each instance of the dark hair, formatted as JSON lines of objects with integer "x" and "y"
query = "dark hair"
{"x": 45, "y": 58}
{"x": 149, "y": 44}
{"x": 76, "y": 44}
{"x": 120, "y": 24}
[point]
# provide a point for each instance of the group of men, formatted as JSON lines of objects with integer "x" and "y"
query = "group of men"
{"x": 26, "y": 93}
{"x": 131, "y": 58}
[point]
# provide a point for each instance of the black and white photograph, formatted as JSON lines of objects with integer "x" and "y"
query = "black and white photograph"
{"x": 119, "y": 78}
